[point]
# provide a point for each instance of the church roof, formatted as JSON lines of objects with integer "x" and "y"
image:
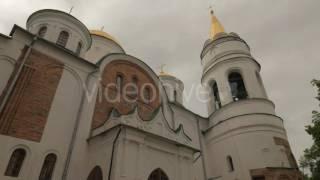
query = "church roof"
{"x": 65, "y": 15}
{"x": 216, "y": 26}
{"x": 162, "y": 74}
{"x": 104, "y": 35}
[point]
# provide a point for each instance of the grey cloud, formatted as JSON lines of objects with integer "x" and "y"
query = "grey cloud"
{"x": 281, "y": 33}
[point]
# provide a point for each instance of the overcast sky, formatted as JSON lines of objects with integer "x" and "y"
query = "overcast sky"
{"x": 283, "y": 36}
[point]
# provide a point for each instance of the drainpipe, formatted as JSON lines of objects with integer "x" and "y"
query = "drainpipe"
{"x": 15, "y": 78}
{"x": 74, "y": 134}
{"x": 112, "y": 153}
{"x": 201, "y": 149}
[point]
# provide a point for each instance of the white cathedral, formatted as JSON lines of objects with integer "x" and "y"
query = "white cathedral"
{"x": 57, "y": 124}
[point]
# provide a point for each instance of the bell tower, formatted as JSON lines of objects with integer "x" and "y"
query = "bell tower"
{"x": 229, "y": 70}
{"x": 245, "y": 137}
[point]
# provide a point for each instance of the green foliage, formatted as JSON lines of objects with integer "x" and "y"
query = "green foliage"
{"x": 311, "y": 157}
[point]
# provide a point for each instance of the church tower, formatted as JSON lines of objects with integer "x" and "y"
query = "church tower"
{"x": 245, "y": 138}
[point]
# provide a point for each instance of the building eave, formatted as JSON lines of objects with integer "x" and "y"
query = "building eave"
{"x": 195, "y": 150}
{"x": 187, "y": 110}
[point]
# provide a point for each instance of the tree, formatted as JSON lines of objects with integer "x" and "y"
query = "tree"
{"x": 311, "y": 157}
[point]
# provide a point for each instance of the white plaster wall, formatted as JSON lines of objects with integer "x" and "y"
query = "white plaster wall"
{"x": 170, "y": 85}
{"x": 249, "y": 141}
{"x": 89, "y": 153}
{"x": 189, "y": 122}
{"x": 197, "y": 170}
{"x": 97, "y": 153}
{"x": 141, "y": 154}
{"x": 6, "y": 69}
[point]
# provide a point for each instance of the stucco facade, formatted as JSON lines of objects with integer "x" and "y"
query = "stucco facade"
{"x": 52, "y": 103}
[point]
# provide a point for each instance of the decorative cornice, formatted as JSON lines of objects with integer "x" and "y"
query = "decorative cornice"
{"x": 138, "y": 123}
{"x": 230, "y": 118}
{"x": 221, "y": 39}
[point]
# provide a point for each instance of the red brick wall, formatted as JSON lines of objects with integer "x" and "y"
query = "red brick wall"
{"x": 285, "y": 143}
{"x": 276, "y": 174}
{"x": 128, "y": 70}
{"x": 27, "y": 109}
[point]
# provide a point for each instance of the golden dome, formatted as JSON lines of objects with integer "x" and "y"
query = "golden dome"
{"x": 216, "y": 26}
{"x": 103, "y": 34}
{"x": 165, "y": 74}
{"x": 162, "y": 73}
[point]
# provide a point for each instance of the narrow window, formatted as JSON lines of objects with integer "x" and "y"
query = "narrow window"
{"x": 63, "y": 38}
{"x": 175, "y": 95}
{"x": 42, "y": 31}
{"x": 119, "y": 82}
{"x": 135, "y": 80}
{"x": 238, "y": 89}
{"x": 217, "y": 101}
{"x": 79, "y": 47}
{"x": 15, "y": 163}
{"x": 135, "y": 86}
{"x": 230, "y": 163}
{"x": 48, "y": 167}
{"x": 147, "y": 94}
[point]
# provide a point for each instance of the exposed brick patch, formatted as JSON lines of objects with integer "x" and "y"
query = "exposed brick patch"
{"x": 23, "y": 51}
{"x": 276, "y": 174}
{"x": 27, "y": 109}
{"x": 128, "y": 71}
{"x": 282, "y": 142}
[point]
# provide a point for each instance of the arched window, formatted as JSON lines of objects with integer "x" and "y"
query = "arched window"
{"x": 119, "y": 82}
{"x": 63, "y": 38}
{"x": 95, "y": 174}
{"x": 238, "y": 90}
{"x": 48, "y": 167}
{"x": 261, "y": 83}
{"x": 158, "y": 174}
{"x": 230, "y": 163}
{"x": 215, "y": 91}
{"x": 15, "y": 163}
{"x": 42, "y": 31}
{"x": 258, "y": 178}
{"x": 79, "y": 47}
{"x": 147, "y": 94}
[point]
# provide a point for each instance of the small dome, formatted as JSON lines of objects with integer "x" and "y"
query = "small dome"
{"x": 102, "y": 45}
{"x": 103, "y": 34}
{"x": 173, "y": 86}
{"x": 58, "y": 26}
